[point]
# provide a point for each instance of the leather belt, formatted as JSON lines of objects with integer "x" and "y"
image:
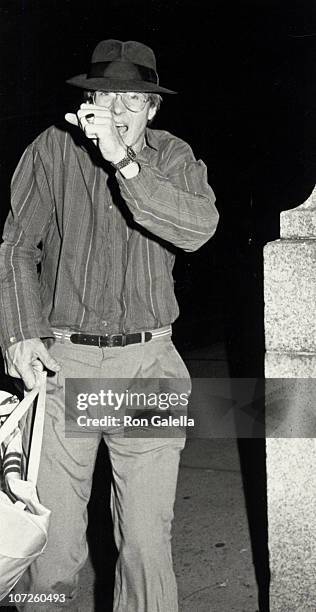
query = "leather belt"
{"x": 110, "y": 339}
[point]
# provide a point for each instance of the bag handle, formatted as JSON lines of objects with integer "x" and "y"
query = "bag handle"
{"x": 37, "y": 434}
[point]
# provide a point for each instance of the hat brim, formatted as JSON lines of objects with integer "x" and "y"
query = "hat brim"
{"x": 108, "y": 84}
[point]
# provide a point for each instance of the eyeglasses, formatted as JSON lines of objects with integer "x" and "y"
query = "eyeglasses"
{"x": 132, "y": 100}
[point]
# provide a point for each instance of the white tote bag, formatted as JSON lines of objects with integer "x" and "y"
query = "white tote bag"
{"x": 23, "y": 520}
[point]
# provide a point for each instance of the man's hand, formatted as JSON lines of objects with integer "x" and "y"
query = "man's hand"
{"x": 26, "y": 358}
{"x": 97, "y": 123}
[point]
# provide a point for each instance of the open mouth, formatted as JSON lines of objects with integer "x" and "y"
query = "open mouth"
{"x": 122, "y": 129}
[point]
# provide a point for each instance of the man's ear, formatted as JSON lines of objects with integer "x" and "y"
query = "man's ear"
{"x": 151, "y": 113}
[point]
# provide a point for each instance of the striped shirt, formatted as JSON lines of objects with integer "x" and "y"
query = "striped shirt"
{"x": 105, "y": 243}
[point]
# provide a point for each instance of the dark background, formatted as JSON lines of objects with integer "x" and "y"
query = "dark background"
{"x": 245, "y": 73}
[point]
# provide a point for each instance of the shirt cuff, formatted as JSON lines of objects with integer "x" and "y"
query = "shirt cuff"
{"x": 16, "y": 336}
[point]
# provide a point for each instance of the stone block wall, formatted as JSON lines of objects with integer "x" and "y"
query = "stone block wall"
{"x": 290, "y": 332}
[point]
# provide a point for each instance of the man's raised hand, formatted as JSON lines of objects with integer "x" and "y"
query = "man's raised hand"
{"x": 98, "y": 124}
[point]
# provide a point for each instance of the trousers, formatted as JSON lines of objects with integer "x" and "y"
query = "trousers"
{"x": 143, "y": 491}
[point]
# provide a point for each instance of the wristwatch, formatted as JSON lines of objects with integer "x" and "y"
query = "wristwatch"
{"x": 129, "y": 157}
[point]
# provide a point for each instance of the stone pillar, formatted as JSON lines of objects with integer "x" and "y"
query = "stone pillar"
{"x": 290, "y": 331}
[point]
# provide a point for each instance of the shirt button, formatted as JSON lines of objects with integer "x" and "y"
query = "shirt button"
{"x": 110, "y": 207}
{"x": 104, "y": 323}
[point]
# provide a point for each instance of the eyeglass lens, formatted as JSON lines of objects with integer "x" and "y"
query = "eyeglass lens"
{"x": 134, "y": 101}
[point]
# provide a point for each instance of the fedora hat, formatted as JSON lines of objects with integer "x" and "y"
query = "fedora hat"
{"x": 121, "y": 66}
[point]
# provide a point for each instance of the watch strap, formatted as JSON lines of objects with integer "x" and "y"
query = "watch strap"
{"x": 128, "y": 159}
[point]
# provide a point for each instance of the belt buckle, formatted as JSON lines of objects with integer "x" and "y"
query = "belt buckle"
{"x": 115, "y": 340}
{"x": 111, "y": 340}
{"x": 106, "y": 341}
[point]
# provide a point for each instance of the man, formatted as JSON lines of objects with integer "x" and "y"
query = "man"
{"x": 107, "y": 199}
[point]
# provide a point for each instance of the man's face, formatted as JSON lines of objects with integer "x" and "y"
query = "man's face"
{"x": 130, "y": 125}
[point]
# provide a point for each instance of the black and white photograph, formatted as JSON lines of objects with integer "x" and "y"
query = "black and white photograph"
{"x": 157, "y": 306}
